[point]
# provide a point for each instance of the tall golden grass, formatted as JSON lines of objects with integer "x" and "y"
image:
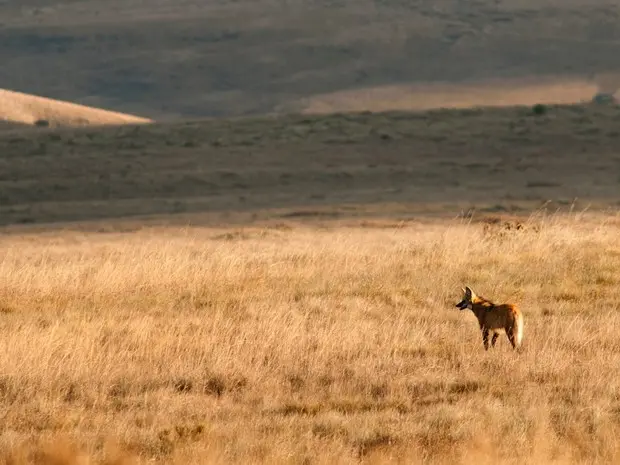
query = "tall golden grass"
{"x": 310, "y": 345}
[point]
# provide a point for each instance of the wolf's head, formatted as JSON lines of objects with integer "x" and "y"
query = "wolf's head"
{"x": 469, "y": 297}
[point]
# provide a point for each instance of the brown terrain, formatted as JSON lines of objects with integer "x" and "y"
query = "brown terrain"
{"x": 175, "y": 59}
{"x": 495, "y": 160}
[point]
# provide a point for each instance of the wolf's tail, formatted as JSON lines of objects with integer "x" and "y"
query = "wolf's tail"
{"x": 518, "y": 330}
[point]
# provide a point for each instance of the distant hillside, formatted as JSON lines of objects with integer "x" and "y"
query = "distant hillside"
{"x": 494, "y": 160}
{"x": 17, "y": 109}
{"x": 190, "y": 58}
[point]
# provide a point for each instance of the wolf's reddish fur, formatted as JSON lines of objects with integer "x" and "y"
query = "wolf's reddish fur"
{"x": 495, "y": 319}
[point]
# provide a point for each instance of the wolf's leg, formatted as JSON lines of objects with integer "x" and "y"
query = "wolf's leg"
{"x": 485, "y": 338}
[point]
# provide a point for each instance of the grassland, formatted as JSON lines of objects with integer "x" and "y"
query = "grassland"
{"x": 298, "y": 344}
{"x": 501, "y": 160}
{"x": 169, "y": 58}
{"x": 282, "y": 290}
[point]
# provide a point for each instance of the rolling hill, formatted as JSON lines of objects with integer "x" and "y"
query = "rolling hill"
{"x": 185, "y": 59}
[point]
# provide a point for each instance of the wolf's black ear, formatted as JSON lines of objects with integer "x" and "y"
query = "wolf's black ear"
{"x": 468, "y": 292}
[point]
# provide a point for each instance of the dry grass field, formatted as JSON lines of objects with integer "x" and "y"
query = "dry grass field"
{"x": 293, "y": 343}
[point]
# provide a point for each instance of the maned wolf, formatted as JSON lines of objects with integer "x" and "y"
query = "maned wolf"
{"x": 496, "y": 319}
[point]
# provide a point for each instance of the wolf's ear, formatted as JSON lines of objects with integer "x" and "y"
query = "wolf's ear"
{"x": 464, "y": 291}
{"x": 470, "y": 294}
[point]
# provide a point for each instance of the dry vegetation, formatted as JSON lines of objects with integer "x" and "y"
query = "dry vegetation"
{"x": 496, "y": 160}
{"x": 291, "y": 343}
